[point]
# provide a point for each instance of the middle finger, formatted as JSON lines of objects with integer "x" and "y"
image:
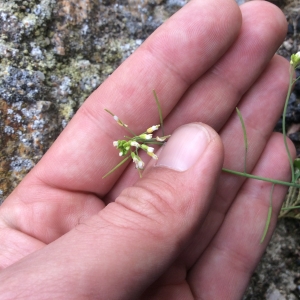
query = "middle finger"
{"x": 214, "y": 96}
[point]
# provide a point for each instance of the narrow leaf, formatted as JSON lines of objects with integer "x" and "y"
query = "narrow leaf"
{"x": 245, "y": 138}
{"x": 159, "y": 112}
{"x": 268, "y": 217}
{"x": 296, "y": 185}
{"x": 284, "y": 124}
{"x": 116, "y": 167}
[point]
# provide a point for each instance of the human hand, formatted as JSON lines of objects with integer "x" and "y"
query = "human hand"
{"x": 187, "y": 233}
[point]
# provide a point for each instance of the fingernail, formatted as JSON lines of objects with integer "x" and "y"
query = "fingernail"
{"x": 185, "y": 147}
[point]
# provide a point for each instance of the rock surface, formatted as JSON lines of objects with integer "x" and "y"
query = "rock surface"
{"x": 278, "y": 275}
{"x": 54, "y": 53}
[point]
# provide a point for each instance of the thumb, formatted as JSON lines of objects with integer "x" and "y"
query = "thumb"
{"x": 119, "y": 252}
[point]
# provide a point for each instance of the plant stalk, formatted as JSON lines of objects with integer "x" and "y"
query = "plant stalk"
{"x": 293, "y": 184}
{"x": 284, "y": 122}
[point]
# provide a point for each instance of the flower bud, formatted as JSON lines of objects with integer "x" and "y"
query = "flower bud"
{"x": 147, "y": 148}
{"x": 145, "y": 136}
{"x": 295, "y": 60}
{"x": 152, "y": 128}
{"x": 135, "y": 144}
{"x": 154, "y": 156}
{"x": 139, "y": 164}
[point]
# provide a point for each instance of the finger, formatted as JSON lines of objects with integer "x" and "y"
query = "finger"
{"x": 214, "y": 96}
{"x": 259, "y": 120}
{"x": 14, "y": 245}
{"x": 47, "y": 214}
{"x": 222, "y": 87}
{"x": 169, "y": 61}
{"x": 63, "y": 187}
{"x": 268, "y": 92}
{"x": 236, "y": 248}
{"x": 130, "y": 242}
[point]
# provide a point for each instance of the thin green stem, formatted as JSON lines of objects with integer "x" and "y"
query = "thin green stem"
{"x": 261, "y": 178}
{"x": 269, "y": 216}
{"x": 290, "y": 207}
{"x": 154, "y": 143}
{"x": 121, "y": 123}
{"x": 296, "y": 79}
{"x": 159, "y": 112}
{"x": 284, "y": 122}
{"x": 245, "y": 138}
{"x": 144, "y": 141}
{"x": 140, "y": 173}
{"x": 116, "y": 167}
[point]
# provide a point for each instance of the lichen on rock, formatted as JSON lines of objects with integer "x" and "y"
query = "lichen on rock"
{"x": 53, "y": 55}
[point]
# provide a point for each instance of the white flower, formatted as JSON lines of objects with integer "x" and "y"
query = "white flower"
{"x": 115, "y": 143}
{"x": 135, "y": 144}
{"x": 139, "y": 164}
{"x": 147, "y": 148}
{"x": 116, "y": 118}
{"x": 152, "y": 128}
{"x": 150, "y": 149}
{"x": 145, "y": 136}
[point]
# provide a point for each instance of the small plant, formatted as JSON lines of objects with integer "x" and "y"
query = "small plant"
{"x": 130, "y": 146}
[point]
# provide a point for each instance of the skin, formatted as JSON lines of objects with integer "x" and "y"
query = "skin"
{"x": 66, "y": 233}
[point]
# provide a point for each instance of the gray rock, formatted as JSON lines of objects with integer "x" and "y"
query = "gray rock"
{"x": 53, "y": 54}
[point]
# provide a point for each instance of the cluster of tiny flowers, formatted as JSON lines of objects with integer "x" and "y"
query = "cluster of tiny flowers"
{"x": 132, "y": 145}
{"x": 295, "y": 60}
{"x": 124, "y": 146}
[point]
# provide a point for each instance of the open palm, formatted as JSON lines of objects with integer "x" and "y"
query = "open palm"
{"x": 66, "y": 233}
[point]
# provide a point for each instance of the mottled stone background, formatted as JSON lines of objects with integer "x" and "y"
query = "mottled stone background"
{"x": 53, "y": 54}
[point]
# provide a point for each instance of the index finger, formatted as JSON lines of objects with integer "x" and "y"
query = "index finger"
{"x": 174, "y": 57}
